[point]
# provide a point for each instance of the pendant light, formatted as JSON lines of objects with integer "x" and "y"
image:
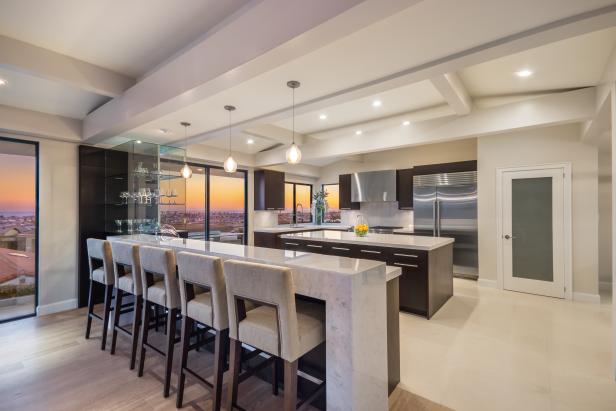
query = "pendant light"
{"x": 186, "y": 171}
{"x": 294, "y": 155}
{"x": 230, "y": 163}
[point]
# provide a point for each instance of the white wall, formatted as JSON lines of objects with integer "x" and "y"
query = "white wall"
{"x": 58, "y": 224}
{"x": 543, "y": 146}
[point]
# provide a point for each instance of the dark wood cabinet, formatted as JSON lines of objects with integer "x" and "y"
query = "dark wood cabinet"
{"x": 344, "y": 187}
{"x": 404, "y": 188}
{"x": 455, "y": 167}
{"x": 269, "y": 190}
{"x": 426, "y": 282}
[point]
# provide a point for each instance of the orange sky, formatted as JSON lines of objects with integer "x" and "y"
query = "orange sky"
{"x": 227, "y": 193}
{"x": 333, "y": 199}
{"x": 17, "y": 183}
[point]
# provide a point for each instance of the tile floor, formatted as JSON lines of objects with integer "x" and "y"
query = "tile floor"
{"x": 489, "y": 349}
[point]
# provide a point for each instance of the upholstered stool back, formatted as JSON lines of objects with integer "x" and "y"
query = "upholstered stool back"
{"x": 158, "y": 276}
{"x": 269, "y": 285}
{"x": 100, "y": 260}
{"x": 127, "y": 267}
{"x": 209, "y": 308}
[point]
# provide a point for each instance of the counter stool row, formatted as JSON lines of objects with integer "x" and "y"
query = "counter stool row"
{"x": 240, "y": 302}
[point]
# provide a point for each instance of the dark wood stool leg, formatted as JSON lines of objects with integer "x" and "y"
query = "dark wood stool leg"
{"x": 220, "y": 345}
{"x": 108, "y": 296}
{"x": 234, "y": 368}
{"x": 147, "y": 311}
{"x": 137, "y": 314}
{"x": 90, "y": 309}
{"x": 275, "y": 377}
{"x": 290, "y": 385}
{"x": 187, "y": 326}
{"x": 116, "y": 319}
{"x": 157, "y": 316}
{"x": 171, "y": 321}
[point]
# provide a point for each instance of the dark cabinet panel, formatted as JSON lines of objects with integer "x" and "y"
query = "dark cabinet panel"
{"x": 404, "y": 188}
{"x": 269, "y": 190}
{"x": 455, "y": 167}
{"x": 344, "y": 187}
{"x": 268, "y": 240}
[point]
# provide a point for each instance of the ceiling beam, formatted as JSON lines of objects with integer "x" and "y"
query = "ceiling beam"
{"x": 26, "y": 58}
{"x": 453, "y": 91}
{"x": 573, "y": 106}
{"x": 275, "y": 133}
{"x": 572, "y": 26}
{"x": 244, "y": 48}
{"x": 33, "y": 123}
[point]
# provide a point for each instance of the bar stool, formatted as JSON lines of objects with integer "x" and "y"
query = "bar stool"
{"x": 160, "y": 287}
{"x": 204, "y": 300}
{"x": 127, "y": 270}
{"x": 101, "y": 272}
{"x": 280, "y": 326}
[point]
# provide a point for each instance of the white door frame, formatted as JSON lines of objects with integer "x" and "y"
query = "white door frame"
{"x": 566, "y": 167}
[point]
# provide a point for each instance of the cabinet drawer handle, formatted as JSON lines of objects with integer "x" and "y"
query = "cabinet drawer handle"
{"x": 406, "y": 265}
{"x": 271, "y": 208}
{"x": 291, "y": 244}
{"x": 405, "y": 255}
{"x": 340, "y": 248}
{"x": 370, "y": 251}
{"x": 315, "y": 246}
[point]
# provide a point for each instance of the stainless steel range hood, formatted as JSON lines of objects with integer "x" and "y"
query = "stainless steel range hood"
{"x": 373, "y": 186}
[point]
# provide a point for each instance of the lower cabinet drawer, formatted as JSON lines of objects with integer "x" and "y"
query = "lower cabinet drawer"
{"x": 292, "y": 245}
{"x": 372, "y": 253}
{"x": 341, "y": 250}
{"x": 414, "y": 291}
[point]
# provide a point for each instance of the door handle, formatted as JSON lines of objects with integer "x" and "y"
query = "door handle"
{"x": 340, "y": 248}
{"x": 370, "y": 251}
{"x": 434, "y": 218}
{"x": 438, "y": 218}
{"x": 314, "y": 246}
{"x": 509, "y": 237}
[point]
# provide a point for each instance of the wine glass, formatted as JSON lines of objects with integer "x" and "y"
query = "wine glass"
{"x": 119, "y": 224}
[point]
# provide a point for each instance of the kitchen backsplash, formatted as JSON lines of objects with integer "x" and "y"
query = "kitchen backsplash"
{"x": 386, "y": 213}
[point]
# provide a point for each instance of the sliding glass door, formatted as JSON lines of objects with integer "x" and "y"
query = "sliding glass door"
{"x": 216, "y": 207}
{"x": 18, "y": 228}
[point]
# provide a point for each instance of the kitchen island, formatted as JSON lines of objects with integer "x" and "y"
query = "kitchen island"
{"x": 426, "y": 282}
{"x": 355, "y": 296}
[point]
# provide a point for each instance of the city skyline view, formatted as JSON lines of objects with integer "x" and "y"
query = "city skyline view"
{"x": 17, "y": 187}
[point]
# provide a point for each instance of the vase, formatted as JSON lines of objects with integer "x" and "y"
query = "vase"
{"x": 318, "y": 216}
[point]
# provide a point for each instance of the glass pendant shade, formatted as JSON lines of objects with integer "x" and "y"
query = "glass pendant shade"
{"x": 186, "y": 171}
{"x": 294, "y": 155}
{"x": 230, "y": 165}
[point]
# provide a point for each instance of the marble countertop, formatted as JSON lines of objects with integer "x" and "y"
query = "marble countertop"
{"x": 406, "y": 230}
{"x": 302, "y": 227}
{"x": 380, "y": 240}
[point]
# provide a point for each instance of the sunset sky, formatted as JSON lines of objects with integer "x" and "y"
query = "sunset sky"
{"x": 227, "y": 193}
{"x": 17, "y": 183}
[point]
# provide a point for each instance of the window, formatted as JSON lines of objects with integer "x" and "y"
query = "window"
{"x": 332, "y": 206}
{"x": 18, "y": 228}
{"x": 297, "y": 204}
{"x": 216, "y": 205}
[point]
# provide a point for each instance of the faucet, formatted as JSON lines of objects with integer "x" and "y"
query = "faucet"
{"x": 299, "y": 205}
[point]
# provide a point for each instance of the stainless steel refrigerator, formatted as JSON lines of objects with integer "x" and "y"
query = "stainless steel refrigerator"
{"x": 445, "y": 205}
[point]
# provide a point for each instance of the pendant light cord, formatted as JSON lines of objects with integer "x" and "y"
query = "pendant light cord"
{"x": 293, "y": 110}
{"x": 185, "y": 143}
{"x": 229, "y": 132}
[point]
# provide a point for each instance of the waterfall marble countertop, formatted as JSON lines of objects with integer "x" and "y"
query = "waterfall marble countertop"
{"x": 355, "y": 296}
{"x": 414, "y": 242}
{"x": 302, "y": 227}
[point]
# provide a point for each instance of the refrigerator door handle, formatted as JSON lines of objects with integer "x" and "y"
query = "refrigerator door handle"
{"x": 433, "y": 218}
{"x": 438, "y": 218}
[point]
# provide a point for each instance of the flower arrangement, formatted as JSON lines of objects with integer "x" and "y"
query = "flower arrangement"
{"x": 361, "y": 230}
{"x": 319, "y": 205}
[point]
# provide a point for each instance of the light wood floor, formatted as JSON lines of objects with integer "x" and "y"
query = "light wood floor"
{"x": 47, "y": 364}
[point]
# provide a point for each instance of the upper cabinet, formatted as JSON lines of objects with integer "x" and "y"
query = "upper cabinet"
{"x": 404, "y": 188}
{"x": 344, "y": 181}
{"x": 456, "y": 167}
{"x": 269, "y": 190}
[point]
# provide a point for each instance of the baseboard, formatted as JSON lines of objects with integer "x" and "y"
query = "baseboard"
{"x": 605, "y": 286}
{"x": 56, "y": 307}
{"x": 587, "y": 298}
{"x": 486, "y": 283}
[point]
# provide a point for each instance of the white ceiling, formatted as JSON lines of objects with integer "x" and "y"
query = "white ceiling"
{"x": 239, "y": 143}
{"x": 571, "y": 63}
{"x": 39, "y": 94}
{"x": 400, "y": 100}
{"x": 129, "y": 37}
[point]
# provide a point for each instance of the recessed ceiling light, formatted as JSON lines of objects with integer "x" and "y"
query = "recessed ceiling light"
{"x": 524, "y": 73}
{"x": 358, "y": 132}
{"x": 323, "y": 116}
{"x": 199, "y": 169}
{"x": 377, "y": 103}
{"x": 138, "y": 141}
{"x": 163, "y": 130}
{"x": 406, "y": 123}
{"x": 250, "y": 141}
{"x": 3, "y": 82}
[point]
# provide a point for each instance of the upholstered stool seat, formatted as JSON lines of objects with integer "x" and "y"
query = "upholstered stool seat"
{"x": 282, "y": 326}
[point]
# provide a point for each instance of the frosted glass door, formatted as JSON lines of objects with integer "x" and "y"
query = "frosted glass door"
{"x": 533, "y": 231}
